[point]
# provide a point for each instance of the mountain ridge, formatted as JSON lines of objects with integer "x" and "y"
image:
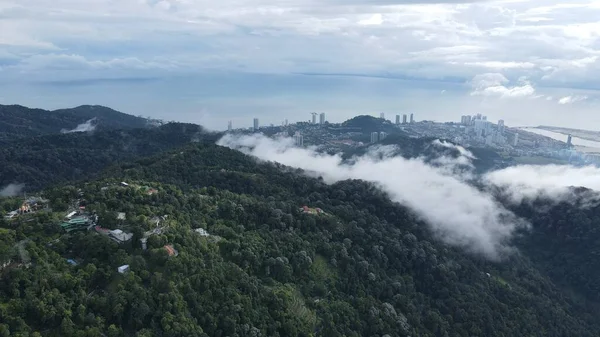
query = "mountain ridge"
{"x": 17, "y": 121}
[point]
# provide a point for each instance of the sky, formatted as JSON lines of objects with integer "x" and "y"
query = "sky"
{"x": 527, "y": 62}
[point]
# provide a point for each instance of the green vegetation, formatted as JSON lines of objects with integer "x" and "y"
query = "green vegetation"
{"x": 17, "y": 121}
{"x": 369, "y": 268}
{"x": 46, "y": 160}
{"x": 565, "y": 242}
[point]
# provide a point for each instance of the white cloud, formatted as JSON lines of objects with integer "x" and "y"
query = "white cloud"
{"x": 88, "y": 126}
{"x": 375, "y": 19}
{"x": 571, "y": 99}
{"x": 11, "y": 190}
{"x": 458, "y": 213}
{"x": 499, "y": 65}
{"x": 494, "y": 84}
{"x": 554, "y": 44}
{"x": 528, "y": 182}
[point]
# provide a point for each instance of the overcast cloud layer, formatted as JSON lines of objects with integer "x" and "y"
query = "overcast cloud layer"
{"x": 529, "y": 62}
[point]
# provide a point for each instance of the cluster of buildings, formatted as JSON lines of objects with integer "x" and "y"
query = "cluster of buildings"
{"x": 473, "y": 130}
{"x": 256, "y": 125}
{"x": 404, "y": 118}
{"x": 378, "y": 136}
{"x": 29, "y": 205}
{"x": 485, "y": 132}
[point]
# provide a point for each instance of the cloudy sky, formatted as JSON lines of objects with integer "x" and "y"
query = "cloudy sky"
{"x": 528, "y": 62}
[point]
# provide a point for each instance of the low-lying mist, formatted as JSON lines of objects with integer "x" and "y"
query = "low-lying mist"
{"x": 554, "y": 182}
{"x": 11, "y": 190}
{"x": 88, "y": 126}
{"x": 457, "y": 212}
{"x": 440, "y": 191}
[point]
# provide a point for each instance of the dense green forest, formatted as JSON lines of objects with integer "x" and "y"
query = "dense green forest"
{"x": 364, "y": 267}
{"x": 565, "y": 241}
{"x": 41, "y": 161}
{"x": 17, "y": 121}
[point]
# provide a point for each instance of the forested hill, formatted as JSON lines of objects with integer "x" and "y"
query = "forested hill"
{"x": 564, "y": 241}
{"x": 17, "y": 121}
{"x": 371, "y": 124}
{"x": 426, "y": 148}
{"x": 352, "y": 263}
{"x": 41, "y": 161}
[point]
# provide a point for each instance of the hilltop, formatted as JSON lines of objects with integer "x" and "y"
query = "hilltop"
{"x": 38, "y": 162}
{"x": 17, "y": 121}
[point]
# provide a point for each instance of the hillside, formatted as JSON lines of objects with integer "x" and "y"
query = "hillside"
{"x": 364, "y": 266}
{"x": 370, "y": 124}
{"x": 45, "y": 160}
{"x": 564, "y": 242}
{"x": 17, "y": 121}
{"x": 409, "y": 147}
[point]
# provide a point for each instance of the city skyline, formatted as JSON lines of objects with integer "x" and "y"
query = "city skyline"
{"x": 399, "y": 120}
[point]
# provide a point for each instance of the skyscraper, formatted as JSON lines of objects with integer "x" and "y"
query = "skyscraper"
{"x": 314, "y": 117}
{"x": 322, "y": 118}
{"x": 286, "y": 122}
{"x": 412, "y": 118}
{"x": 569, "y": 141}
{"x": 374, "y": 137}
{"x": 382, "y": 135}
{"x": 382, "y": 115}
{"x": 404, "y": 119}
{"x": 397, "y": 119}
{"x": 255, "y": 124}
{"x": 298, "y": 139}
{"x": 229, "y": 126}
{"x": 501, "y": 126}
{"x": 465, "y": 120}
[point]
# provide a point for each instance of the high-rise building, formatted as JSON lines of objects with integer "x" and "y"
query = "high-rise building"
{"x": 489, "y": 139}
{"x": 516, "y": 140}
{"x": 397, "y": 119}
{"x": 285, "y": 122}
{"x": 382, "y": 135}
{"x": 255, "y": 124}
{"x": 465, "y": 120}
{"x": 484, "y": 118}
{"x": 314, "y": 117}
{"x": 412, "y": 118}
{"x": 569, "y": 141}
{"x": 322, "y": 118}
{"x": 382, "y": 115}
{"x": 229, "y": 126}
{"x": 404, "y": 119}
{"x": 298, "y": 139}
{"x": 374, "y": 137}
{"x": 501, "y": 126}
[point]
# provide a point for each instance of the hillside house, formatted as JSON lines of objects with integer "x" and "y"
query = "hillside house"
{"x": 171, "y": 251}
{"x": 119, "y": 236}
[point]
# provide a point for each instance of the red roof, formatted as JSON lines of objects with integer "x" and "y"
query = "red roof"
{"x": 170, "y": 250}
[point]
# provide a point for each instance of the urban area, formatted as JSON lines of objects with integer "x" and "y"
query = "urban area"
{"x": 526, "y": 146}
